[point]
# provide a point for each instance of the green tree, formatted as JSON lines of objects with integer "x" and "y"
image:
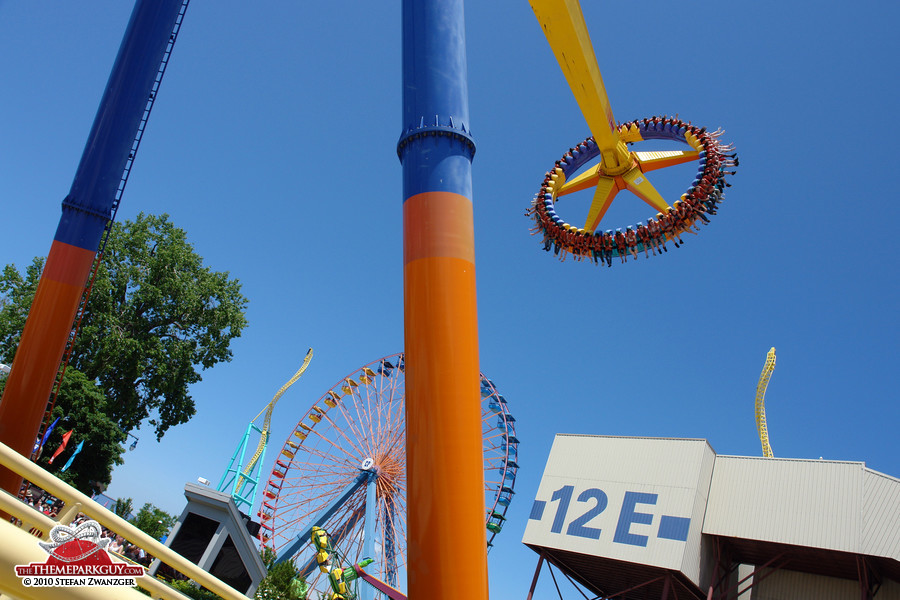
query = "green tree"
{"x": 123, "y": 507}
{"x": 192, "y": 591}
{"x": 16, "y": 294}
{"x": 156, "y": 318}
{"x": 282, "y": 581}
{"x": 153, "y": 521}
{"x": 156, "y": 315}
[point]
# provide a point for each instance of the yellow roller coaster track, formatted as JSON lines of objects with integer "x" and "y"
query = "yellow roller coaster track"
{"x": 264, "y": 433}
{"x": 761, "y": 403}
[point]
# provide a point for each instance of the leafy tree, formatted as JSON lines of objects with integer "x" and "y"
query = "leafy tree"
{"x": 192, "y": 591}
{"x": 156, "y": 317}
{"x": 123, "y": 507}
{"x": 153, "y": 521}
{"x": 156, "y": 313}
{"x": 282, "y": 582}
{"x": 16, "y": 294}
{"x": 82, "y": 406}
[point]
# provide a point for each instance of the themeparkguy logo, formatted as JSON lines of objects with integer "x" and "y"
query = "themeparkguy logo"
{"x": 77, "y": 556}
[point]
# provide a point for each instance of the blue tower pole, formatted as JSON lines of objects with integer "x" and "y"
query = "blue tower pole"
{"x": 446, "y": 540}
{"x": 86, "y": 210}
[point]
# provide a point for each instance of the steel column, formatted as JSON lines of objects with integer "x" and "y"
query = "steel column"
{"x": 446, "y": 531}
{"x": 368, "y": 548}
{"x": 85, "y": 213}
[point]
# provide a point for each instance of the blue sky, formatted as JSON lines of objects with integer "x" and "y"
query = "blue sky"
{"x": 273, "y": 142}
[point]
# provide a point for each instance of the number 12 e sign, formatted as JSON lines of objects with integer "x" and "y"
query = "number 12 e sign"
{"x": 636, "y": 516}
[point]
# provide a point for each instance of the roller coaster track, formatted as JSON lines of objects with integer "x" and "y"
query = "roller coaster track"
{"x": 264, "y": 434}
{"x": 761, "y": 403}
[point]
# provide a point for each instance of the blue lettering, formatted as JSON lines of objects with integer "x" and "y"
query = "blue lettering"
{"x": 628, "y": 516}
{"x": 564, "y": 495}
{"x": 579, "y": 526}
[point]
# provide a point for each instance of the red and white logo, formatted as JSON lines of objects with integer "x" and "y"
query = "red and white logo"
{"x": 77, "y": 556}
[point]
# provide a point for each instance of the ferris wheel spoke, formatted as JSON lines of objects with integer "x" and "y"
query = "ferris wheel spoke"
{"x": 496, "y": 435}
{"x": 352, "y": 422}
{"x": 328, "y": 466}
{"x": 352, "y": 443}
{"x": 319, "y": 437}
{"x": 366, "y": 417}
{"x": 363, "y": 425}
{"x": 352, "y": 426}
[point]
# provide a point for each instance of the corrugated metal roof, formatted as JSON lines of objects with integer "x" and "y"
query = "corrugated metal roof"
{"x": 660, "y": 461}
{"x": 693, "y": 562}
{"x": 801, "y": 502}
{"x": 881, "y": 515}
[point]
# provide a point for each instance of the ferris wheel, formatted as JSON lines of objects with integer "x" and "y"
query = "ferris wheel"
{"x": 343, "y": 468}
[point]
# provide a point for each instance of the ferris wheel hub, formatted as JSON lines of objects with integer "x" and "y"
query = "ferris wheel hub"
{"x": 367, "y": 464}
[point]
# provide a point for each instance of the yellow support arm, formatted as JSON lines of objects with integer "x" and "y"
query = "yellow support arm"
{"x": 563, "y": 24}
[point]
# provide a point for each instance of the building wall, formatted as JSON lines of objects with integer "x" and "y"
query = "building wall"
{"x": 803, "y": 502}
{"x": 639, "y": 500}
{"x": 659, "y": 501}
{"x": 881, "y": 515}
{"x": 793, "y": 585}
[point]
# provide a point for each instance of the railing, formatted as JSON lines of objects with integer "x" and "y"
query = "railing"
{"x": 18, "y": 546}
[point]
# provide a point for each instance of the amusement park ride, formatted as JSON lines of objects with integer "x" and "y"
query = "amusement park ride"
{"x": 343, "y": 469}
{"x": 619, "y": 168}
{"x": 240, "y": 479}
{"x": 761, "y": 387}
{"x": 398, "y": 462}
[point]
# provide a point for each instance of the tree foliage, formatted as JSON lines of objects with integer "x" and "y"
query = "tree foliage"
{"x": 156, "y": 314}
{"x": 153, "y": 521}
{"x": 156, "y": 318}
{"x": 282, "y": 581}
{"x": 123, "y": 507}
{"x": 193, "y": 591}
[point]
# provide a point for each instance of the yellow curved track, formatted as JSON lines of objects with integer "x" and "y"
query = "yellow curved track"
{"x": 264, "y": 434}
{"x": 761, "y": 403}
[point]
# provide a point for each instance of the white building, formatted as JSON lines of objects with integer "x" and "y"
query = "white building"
{"x": 643, "y": 518}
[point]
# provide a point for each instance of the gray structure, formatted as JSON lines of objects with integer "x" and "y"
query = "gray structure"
{"x": 656, "y": 518}
{"x": 213, "y": 534}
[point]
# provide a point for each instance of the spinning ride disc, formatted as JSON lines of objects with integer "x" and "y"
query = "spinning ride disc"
{"x": 359, "y": 423}
{"x": 572, "y": 173}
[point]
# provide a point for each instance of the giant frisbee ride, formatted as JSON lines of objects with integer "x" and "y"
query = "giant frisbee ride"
{"x": 605, "y": 163}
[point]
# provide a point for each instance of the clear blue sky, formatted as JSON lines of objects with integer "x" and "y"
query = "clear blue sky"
{"x": 273, "y": 141}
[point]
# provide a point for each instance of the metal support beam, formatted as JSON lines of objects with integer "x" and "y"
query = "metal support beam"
{"x": 368, "y": 548}
{"x": 447, "y": 540}
{"x": 534, "y": 580}
{"x": 86, "y": 211}
{"x": 303, "y": 537}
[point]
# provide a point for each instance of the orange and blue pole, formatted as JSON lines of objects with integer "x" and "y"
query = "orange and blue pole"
{"x": 446, "y": 536}
{"x": 86, "y": 210}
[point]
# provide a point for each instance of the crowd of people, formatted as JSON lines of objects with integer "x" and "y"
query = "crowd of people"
{"x": 701, "y": 200}
{"x": 50, "y": 505}
{"x": 40, "y": 500}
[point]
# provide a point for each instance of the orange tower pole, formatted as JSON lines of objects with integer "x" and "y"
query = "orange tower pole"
{"x": 86, "y": 211}
{"x": 446, "y": 538}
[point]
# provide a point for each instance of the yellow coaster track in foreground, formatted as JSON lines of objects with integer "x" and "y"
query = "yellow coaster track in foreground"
{"x": 761, "y": 403}
{"x": 264, "y": 433}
